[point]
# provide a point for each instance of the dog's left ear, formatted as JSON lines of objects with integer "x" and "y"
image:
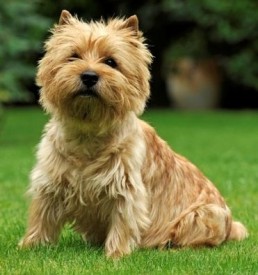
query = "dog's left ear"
{"x": 65, "y": 17}
{"x": 132, "y": 23}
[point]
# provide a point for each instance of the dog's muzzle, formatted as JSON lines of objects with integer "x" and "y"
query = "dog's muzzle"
{"x": 89, "y": 80}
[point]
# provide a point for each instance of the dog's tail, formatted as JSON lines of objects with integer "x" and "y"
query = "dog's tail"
{"x": 238, "y": 231}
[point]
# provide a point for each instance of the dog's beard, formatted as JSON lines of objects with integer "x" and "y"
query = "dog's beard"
{"x": 95, "y": 104}
{"x": 88, "y": 107}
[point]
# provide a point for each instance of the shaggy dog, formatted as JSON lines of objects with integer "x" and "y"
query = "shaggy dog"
{"x": 102, "y": 169}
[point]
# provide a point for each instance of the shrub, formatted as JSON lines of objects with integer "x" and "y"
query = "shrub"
{"x": 21, "y": 33}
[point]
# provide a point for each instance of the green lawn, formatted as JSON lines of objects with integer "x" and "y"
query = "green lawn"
{"x": 225, "y": 147}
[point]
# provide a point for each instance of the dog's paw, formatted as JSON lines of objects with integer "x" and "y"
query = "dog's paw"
{"x": 30, "y": 241}
{"x": 117, "y": 252}
{"x": 116, "y": 255}
{"x": 27, "y": 243}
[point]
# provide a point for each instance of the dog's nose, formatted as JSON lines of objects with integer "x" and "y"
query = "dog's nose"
{"x": 89, "y": 78}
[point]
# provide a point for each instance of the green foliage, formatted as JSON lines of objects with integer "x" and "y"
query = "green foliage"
{"x": 174, "y": 28}
{"x": 21, "y": 32}
{"x": 1, "y": 114}
{"x": 231, "y": 162}
{"x": 227, "y": 29}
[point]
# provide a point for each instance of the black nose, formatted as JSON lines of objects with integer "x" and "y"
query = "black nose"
{"x": 89, "y": 78}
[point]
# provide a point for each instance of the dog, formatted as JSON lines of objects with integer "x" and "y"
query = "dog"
{"x": 102, "y": 169}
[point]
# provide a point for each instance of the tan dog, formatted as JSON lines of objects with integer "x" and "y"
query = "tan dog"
{"x": 101, "y": 168}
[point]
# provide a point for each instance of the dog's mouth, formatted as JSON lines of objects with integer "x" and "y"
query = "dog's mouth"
{"x": 86, "y": 93}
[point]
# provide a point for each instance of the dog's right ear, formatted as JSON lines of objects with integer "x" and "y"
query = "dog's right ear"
{"x": 132, "y": 23}
{"x": 65, "y": 17}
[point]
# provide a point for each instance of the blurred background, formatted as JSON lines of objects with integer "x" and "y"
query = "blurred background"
{"x": 205, "y": 50}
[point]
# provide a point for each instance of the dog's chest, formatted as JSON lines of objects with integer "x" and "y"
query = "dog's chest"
{"x": 91, "y": 185}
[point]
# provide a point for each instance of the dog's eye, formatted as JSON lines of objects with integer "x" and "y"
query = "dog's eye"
{"x": 110, "y": 62}
{"x": 73, "y": 57}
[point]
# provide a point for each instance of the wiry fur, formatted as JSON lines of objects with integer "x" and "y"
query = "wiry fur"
{"x": 101, "y": 168}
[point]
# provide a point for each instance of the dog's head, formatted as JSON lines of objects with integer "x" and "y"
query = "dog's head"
{"x": 94, "y": 71}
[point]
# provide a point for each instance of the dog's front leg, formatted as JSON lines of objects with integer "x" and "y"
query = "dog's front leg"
{"x": 128, "y": 220}
{"x": 44, "y": 223}
{"x": 119, "y": 241}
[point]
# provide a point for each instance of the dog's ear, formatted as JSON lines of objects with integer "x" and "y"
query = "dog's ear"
{"x": 65, "y": 17}
{"x": 132, "y": 23}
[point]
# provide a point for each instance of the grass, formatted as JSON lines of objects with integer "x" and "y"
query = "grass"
{"x": 222, "y": 144}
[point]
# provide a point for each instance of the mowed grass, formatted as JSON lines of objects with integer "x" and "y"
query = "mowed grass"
{"x": 224, "y": 145}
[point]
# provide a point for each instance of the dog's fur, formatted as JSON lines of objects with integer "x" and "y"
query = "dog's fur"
{"x": 101, "y": 168}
